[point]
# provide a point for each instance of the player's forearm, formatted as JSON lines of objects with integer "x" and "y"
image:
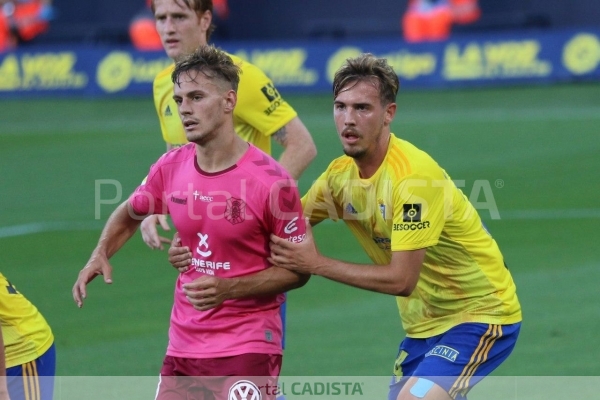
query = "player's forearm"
{"x": 273, "y": 280}
{"x": 376, "y": 278}
{"x": 295, "y": 161}
{"x": 120, "y": 227}
{"x": 299, "y": 148}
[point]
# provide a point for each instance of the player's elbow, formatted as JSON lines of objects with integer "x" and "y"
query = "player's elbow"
{"x": 302, "y": 279}
{"x": 403, "y": 288}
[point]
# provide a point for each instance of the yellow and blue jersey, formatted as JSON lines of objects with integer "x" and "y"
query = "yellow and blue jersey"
{"x": 260, "y": 110}
{"x": 411, "y": 203}
{"x": 25, "y": 332}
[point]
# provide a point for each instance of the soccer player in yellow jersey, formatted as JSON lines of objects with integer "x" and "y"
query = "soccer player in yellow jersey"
{"x": 457, "y": 300}
{"x": 260, "y": 114}
{"x": 28, "y": 359}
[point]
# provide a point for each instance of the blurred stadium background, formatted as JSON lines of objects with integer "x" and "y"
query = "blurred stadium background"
{"x": 527, "y": 122}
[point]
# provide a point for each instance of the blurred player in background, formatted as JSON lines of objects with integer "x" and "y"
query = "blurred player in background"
{"x": 226, "y": 197}
{"x": 457, "y": 300}
{"x": 28, "y": 359}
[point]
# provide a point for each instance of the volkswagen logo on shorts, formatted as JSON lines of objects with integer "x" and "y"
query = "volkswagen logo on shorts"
{"x": 244, "y": 390}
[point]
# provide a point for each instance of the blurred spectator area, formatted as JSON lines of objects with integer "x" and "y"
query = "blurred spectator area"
{"x": 107, "y": 21}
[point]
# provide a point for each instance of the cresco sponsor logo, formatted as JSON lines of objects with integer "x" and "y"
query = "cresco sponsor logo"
{"x": 412, "y": 227}
{"x": 297, "y": 238}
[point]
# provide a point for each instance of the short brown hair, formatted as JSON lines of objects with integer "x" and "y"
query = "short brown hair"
{"x": 199, "y": 6}
{"x": 365, "y": 67}
{"x": 212, "y": 62}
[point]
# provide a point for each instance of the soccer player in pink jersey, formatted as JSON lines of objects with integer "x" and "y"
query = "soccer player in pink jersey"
{"x": 225, "y": 197}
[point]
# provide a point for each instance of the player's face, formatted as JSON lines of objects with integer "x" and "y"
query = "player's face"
{"x": 361, "y": 120}
{"x": 203, "y": 105}
{"x": 181, "y": 29}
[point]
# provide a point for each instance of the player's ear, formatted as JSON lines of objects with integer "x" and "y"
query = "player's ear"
{"x": 390, "y": 113}
{"x": 205, "y": 20}
{"x": 230, "y": 100}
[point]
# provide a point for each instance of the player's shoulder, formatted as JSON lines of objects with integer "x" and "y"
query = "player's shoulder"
{"x": 263, "y": 169}
{"x": 164, "y": 76}
{"x": 340, "y": 165}
{"x": 178, "y": 154}
{"x": 249, "y": 73}
{"x": 409, "y": 159}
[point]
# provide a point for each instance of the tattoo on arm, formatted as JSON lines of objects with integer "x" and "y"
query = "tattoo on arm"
{"x": 281, "y": 136}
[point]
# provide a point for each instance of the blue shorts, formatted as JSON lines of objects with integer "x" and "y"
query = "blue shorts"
{"x": 33, "y": 380}
{"x": 455, "y": 360}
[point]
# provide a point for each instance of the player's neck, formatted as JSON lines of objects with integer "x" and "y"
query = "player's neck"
{"x": 221, "y": 153}
{"x": 370, "y": 163}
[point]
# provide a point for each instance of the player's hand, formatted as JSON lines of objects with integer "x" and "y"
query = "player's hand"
{"x": 300, "y": 257}
{"x": 150, "y": 233}
{"x": 207, "y": 292}
{"x": 180, "y": 256}
{"x": 97, "y": 265}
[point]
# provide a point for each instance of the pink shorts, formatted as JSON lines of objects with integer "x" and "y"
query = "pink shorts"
{"x": 235, "y": 377}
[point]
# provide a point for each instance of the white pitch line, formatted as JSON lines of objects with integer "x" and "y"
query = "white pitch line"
{"x": 40, "y": 227}
{"x": 530, "y": 215}
{"x": 551, "y": 214}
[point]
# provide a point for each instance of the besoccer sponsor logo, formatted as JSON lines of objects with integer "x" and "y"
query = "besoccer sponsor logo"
{"x": 411, "y": 227}
{"x": 411, "y": 213}
{"x": 244, "y": 390}
{"x": 443, "y": 351}
{"x": 270, "y": 92}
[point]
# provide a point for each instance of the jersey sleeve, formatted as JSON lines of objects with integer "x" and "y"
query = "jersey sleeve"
{"x": 259, "y": 103}
{"x": 318, "y": 203}
{"x": 418, "y": 217}
{"x": 285, "y": 211}
{"x": 148, "y": 198}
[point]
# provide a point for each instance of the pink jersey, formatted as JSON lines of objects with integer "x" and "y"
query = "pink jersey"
{"x": 226, "y": 219}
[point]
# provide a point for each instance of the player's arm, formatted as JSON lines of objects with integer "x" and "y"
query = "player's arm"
{"x": 299, "y": 147}
{"x": 208, "y": 292}
{"x": 119, "y": 228}
{"x": 398, "y": 278}
{"x": 3, "y": 387}
{"x": 149, "y": 226}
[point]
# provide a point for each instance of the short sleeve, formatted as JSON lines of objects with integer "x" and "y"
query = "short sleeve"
{"x": 148, "y": 198}
{"x": 260, "y": 104}
{"x": 418, "y": 217}
{"x": 285, "y": 211}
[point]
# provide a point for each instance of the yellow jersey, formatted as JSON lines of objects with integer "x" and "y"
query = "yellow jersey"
{"x": 260, "y": 110}
{"x": 25, "y": 332}
{"x": 411, "y": 203}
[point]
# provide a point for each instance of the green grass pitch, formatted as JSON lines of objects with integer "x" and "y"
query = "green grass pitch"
{"x": 537, "y": 146}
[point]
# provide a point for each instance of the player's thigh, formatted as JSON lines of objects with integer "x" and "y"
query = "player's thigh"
{"x": 33, "y": 380}
{"x": 465, "y": 354}
{"x": 454, "y": 361}
{"x": 252, "y": 374}
{"x": 422, "y": 389}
